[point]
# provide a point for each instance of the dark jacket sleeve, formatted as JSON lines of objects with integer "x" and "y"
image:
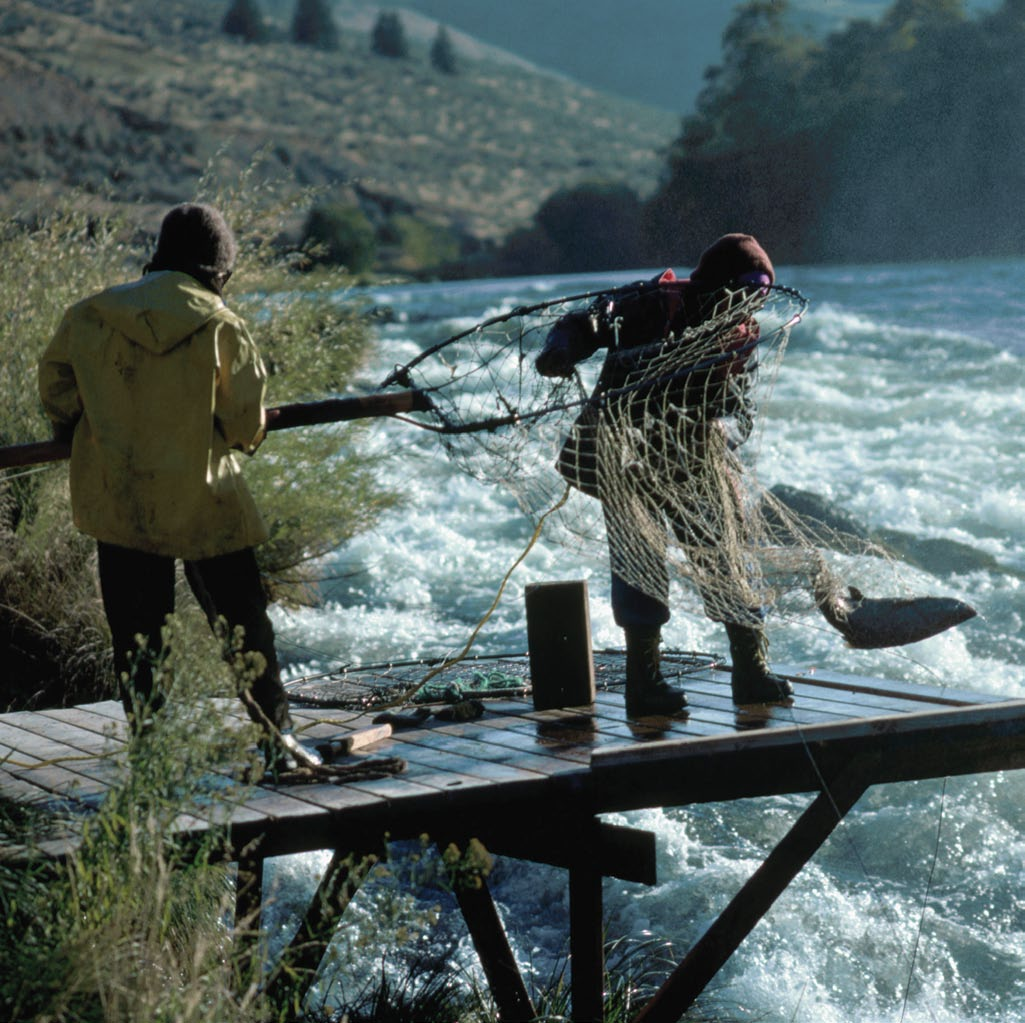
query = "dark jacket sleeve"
{"x": 626, "y": 318}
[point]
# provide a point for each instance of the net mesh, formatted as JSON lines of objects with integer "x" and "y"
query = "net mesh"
{"x": 656, "y": 441}
{"x": 496, "y": 677}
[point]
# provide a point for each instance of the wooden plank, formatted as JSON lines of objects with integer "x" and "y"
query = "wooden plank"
{"x": 715, "y": 707}
{"x": 52, "y": 835}
{"x": 834, "y": 700}
{"x": 928, "y": 744}
{"x": 466, "y": 743}
{"x": 513, "y": 752}
{"x": 301, "y": 818}
{"x": 89, "y": 719}
{"x": 84, "y": 733}
{"x": 510, "y": 731}
{"x": 53, "y": 766}
{"x": 824, "y": 677}
{"x": 19, "y": 790}
{"x": 917, "y": 692}
{"x": 459, "y": 780}
{"x": 574, "y": 741}
{"x": 68, "y": 731}
{"x": 821, "y": 695}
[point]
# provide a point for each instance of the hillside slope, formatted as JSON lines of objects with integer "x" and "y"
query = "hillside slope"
{"x": 132, "y": 101}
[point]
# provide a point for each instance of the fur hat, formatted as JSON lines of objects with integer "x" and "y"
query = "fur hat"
{"x": 730, "y": 258}
{"x": 195, "y": 239}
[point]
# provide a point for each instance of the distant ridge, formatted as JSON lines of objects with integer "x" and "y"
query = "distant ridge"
{"x": 129, "y": 103}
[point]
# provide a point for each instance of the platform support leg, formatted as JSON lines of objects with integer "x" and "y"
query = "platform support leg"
{"x": 753, "y": 901}
{"x": 248, "y": 902}
{"x": 248, "y": 892}
{"x": 586, "y": 945}
{"x": 496, "y": 957}
{"x": 299, "y": 962}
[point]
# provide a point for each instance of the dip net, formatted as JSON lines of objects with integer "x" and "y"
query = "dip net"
{"x": 645, "y": 452}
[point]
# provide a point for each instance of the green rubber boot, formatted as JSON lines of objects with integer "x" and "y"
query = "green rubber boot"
{"x": 751, "y": 680}
{"x": 647, "y": 692}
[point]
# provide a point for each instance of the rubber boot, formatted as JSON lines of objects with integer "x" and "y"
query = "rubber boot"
{"x": 751, "y": 680}
{"x": 283, "y": 752}
{"x": 647, "y": 693}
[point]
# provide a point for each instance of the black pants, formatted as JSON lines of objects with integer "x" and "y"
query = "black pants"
{"x": 138, "y": 595}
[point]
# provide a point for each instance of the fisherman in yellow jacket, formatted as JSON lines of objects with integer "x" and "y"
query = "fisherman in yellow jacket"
{"x": 159, "y": 387}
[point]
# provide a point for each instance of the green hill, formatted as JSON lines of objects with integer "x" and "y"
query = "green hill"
{"x": 129, "y": 103}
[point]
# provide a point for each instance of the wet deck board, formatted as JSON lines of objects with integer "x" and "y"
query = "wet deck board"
{"x": 512, "y": 764}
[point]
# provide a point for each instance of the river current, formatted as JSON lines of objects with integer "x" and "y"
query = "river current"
{"x": 901, "y": 400}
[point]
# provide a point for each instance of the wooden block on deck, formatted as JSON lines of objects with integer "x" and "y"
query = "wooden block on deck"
{"x": 559, "y": 640}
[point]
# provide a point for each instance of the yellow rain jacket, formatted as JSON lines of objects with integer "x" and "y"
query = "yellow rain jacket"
{"x": 160, "y": 381}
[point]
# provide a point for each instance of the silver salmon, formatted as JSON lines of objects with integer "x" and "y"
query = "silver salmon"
{"x": 869, "y": 622}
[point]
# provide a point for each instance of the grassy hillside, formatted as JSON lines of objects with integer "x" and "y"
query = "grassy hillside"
{"x": 130, "y": 102}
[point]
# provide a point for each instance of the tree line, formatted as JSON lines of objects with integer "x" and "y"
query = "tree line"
{"x": 897, "y": 139}
{"x": 313, "y": 24}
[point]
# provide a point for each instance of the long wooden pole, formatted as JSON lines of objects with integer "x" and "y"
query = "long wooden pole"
{"x": 283, "y": 417}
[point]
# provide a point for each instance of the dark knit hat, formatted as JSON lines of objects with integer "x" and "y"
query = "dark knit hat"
{"x": 729, "y": 259}
{"x": 195, "y": 239}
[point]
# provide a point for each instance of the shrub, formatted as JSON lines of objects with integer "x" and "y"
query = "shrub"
{"x": 591, "y": 226}
{"x": 340, "y": 235}
{"x": 594, "y": 226}
{"x": 423, "y": 247}
{"x": 316, "y": 487}
{"x": 51, "y": 625}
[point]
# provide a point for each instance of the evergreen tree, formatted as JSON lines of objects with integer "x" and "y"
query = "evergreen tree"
{"x": 389, "y": 37}
{"x": 443, "y": 54}
{"x": 314, "y": 25}
{"x": 245, "y": 20}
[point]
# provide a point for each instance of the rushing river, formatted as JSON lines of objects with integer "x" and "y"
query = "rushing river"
{"x": 901, "y": 400}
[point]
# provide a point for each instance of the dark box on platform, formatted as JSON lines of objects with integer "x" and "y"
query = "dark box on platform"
{"x": 559, "y": 641}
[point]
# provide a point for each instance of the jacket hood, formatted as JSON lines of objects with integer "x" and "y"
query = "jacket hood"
{"x": 158, "y": 311}
{"x": 730, "y": 258}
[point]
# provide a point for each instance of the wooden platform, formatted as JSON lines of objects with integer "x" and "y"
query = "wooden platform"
{"x": 534, "y": 784}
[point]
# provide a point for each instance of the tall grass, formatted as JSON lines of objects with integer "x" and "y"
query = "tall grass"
{"x": 136, "y": 924}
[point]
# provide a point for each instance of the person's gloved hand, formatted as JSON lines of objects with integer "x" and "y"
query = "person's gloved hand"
{"x": 569, "y": 341}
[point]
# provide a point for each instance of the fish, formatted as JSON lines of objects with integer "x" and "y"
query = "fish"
{"x": 869, "y": 623}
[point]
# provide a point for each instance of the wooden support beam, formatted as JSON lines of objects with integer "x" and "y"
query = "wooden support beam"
{"x": 755, "y": 898}
{"x": 248, "y": 891}
{"x": 298, "y": 964}
{"x": 614, "y": 850}
{"x": 586, "y": 945}
{"x": 248, "y": 903}
{"x": 496, "y": 957}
